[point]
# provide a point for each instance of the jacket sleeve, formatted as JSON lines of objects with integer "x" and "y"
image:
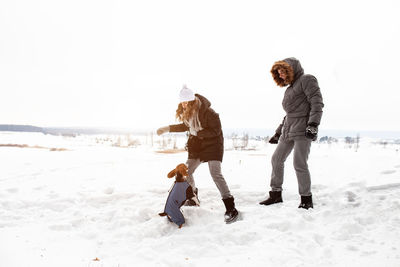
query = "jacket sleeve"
{"x": 279, "y": 129}
{"x": 213, "y": 128}
{"x": 178, "y": 128}
{"x": 314, "y": 97}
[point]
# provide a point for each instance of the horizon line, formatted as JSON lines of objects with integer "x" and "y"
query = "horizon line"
{"x": 229, "y": 130}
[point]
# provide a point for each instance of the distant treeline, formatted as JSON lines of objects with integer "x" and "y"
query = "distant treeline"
{"x": 20, "y": 128}
{"x": 228, "y": 132}
{"x": 65, "y": 131}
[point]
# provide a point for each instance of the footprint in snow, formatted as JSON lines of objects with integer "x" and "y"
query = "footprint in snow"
{"x": 388, "y": 172}
{"x": 383, "y": 187}
{"x": 108, "y": 191}
{"x": 60, "y": 227}
{"x": 352, "y": 248}
{"x": 351, "y": 197}
{"x": 12, "y": 190}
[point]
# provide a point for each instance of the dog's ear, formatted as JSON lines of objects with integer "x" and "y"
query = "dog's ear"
{"x": 172, "y": 173}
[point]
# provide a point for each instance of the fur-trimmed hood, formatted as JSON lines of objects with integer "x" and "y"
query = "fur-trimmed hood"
{"x": 293, "y": 70}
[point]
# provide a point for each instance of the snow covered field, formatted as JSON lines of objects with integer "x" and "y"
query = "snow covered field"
{"x": 96, "y": 205}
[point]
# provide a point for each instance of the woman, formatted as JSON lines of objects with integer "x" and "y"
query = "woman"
{"x": 205, "y": 144}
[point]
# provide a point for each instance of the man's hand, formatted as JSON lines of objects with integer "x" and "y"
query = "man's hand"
{"x": 274, "y": 139}
{"x": 312, "y": 131}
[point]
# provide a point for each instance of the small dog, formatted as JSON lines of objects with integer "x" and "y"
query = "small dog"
{"x": 180, "y": 192}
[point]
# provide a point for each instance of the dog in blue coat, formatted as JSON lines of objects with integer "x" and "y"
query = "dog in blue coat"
{"x": 180, "y": 192}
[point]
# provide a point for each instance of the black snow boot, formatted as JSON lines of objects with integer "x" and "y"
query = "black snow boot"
{"x": 231, "y": 213}
{"x": 274, "y": 197}
{"x": 306, "y": 202}
{"x": 194, "y": 201}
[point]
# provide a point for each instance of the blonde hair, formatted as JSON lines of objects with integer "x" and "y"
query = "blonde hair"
{"x": 185, "y": 114}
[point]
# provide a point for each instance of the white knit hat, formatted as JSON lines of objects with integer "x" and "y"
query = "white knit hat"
{"x": 186, "y": 95}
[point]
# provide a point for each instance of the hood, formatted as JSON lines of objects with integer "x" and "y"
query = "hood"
{"x": 292, "y": 68}
{"x": 205, "y": 103}
{"x": 296, "y": 66}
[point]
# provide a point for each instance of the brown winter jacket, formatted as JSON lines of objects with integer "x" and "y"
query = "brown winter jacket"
{"x": 209, "y": 143}
{"x": 302, "y": 101}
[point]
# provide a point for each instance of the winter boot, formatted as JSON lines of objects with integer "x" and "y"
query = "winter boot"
{"x": 274, "y": 197}
{"x": 306, "y": 202}
{"x": 194, "y": 201}
{"x": 231, "y": 213}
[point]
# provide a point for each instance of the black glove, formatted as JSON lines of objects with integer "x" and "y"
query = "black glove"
{"x": 194, "y": 143}
{"x": 274, "y": 139}
{"x": 312, "y": 131}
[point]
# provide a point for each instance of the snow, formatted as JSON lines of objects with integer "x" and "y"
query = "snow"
{"x": 96, "y": 201}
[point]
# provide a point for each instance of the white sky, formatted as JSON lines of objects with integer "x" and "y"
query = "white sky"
{"x": 122, "y": 63}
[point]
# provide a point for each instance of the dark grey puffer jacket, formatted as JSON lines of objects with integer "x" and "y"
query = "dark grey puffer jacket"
{"x": 302, "y": 102}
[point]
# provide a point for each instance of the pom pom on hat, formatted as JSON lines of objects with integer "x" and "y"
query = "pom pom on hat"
{"x": 186, "y": 95}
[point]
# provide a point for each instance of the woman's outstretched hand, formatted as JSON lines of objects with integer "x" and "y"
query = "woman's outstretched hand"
{"x": 163, "y": 130}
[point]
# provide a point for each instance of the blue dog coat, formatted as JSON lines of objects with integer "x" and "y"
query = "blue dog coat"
{"x": 179, "y": 193}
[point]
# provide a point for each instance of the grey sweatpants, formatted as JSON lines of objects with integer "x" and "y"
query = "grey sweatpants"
{"x": 216, "y": 174}
{"x": 301, "y": 151}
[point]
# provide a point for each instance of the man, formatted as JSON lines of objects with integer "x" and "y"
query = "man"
{"x": 303, "y": 105}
